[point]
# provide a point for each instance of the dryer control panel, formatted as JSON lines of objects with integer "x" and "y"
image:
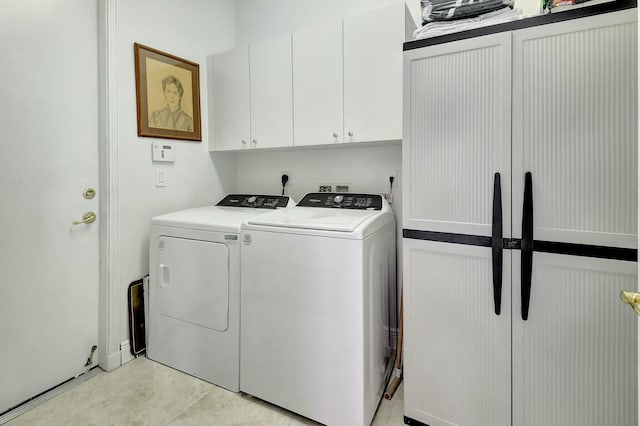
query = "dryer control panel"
{"x": 342, "y": 200}
{"x": 254, "y": 201}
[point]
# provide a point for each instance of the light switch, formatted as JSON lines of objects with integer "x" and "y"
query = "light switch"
{"x": 161, "y": 177}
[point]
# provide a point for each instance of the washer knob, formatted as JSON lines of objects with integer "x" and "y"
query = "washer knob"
{"x": 252, "y": 199}
{"x": 338, "y": 199}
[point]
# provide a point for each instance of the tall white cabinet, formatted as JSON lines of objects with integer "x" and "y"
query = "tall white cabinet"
{"x": 457, "y": 352}
{"x": 520, "y": 190}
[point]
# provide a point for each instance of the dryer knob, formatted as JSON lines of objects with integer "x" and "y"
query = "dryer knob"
{"x": 338, "y": 199}
{"x": 252, "y": 199}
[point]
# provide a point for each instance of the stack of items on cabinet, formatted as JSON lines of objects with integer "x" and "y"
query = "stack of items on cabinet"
{"x": 441, "y": 17}
{"x": 553, "y": 6}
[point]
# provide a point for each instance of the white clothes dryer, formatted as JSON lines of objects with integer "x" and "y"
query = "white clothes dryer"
{"x": 314, "y": 287}
{"x": 194, "y": 294}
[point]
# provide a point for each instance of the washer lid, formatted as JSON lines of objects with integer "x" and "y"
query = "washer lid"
{"x": 316, "y": 218}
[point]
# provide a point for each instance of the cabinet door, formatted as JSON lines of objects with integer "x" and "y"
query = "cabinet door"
{"x": 457, "y": 135}
{"x": 231, "y": 119}
{"x": 457, "y": 355}
{"x": 271, "y": 93}
{"x": 575, "y": 128}
{"x": 373, "y": 75}
{"x": 574, "y": 358}
{"x": 317, "y": 85}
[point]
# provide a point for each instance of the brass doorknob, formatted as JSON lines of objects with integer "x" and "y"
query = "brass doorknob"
{"x": 89, "y": 193}
{"x": 87, "y": 218}
{"x": 632, "y": 299}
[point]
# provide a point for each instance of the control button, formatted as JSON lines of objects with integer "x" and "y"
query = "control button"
{"x": 252, "y": 199}
{"x": 338, "y": 199}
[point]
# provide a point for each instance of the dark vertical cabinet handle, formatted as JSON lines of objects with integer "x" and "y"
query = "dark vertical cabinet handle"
{"x": 496, "y": 243}
{"x": 527, "y": 245}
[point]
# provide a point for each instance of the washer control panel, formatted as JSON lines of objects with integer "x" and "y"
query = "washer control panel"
{"x": 343, "y": 200}
{"x": 254, "y": 201}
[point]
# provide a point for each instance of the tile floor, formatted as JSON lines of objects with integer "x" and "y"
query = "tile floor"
{"x": 143, "y": 392}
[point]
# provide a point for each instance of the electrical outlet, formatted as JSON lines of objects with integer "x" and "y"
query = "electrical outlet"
{"x": 342, "y": 188}
{"x": 389, "y": 173}
{"x": 288, "y": 173}
{"x": 324, "y": 188}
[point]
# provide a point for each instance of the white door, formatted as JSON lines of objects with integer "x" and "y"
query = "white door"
{"x": 231, "y": 113}
{"x": 574, "y": 357}
{"x": 457, "y": 351}
{"x": 458, "y": 342}
{"x": 575, "y": 131}
{"x": 49, "y": 122}
{"x": 271, "y": 93}
{"x": 193, "y": 283}
{"x": 373, "y": 74}
{"x": 451, "y": 154}
{"x": 317, "y": 85}
{"x": 575, "y": 98}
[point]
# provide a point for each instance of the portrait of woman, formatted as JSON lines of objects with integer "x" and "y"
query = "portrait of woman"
{"x": 168, "y": 95}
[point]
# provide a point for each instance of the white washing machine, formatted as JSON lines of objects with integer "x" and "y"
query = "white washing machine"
{"x": 194, "y": 294}
{"x": 314, "y": 287}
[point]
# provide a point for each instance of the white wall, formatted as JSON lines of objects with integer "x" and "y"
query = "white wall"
{"x": 363, "y": 168}
{"x": 191, "y": 29}
{"x": 260, "y": 19}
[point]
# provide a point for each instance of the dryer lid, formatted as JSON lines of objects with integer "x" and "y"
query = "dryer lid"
{"x": 209, "y": 218}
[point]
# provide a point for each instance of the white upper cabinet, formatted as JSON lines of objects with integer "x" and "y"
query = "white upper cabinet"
{"x": 332, "y": 83}
{"x": 271, "y": 93}
{"x": 231, "y": 119}
{"x": 317, "y": 85}
{"x": 373, "y": 73}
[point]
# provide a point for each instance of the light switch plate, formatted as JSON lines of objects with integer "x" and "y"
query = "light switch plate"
{"x": 161, "y": 177}
{"x": 163, "y": 152}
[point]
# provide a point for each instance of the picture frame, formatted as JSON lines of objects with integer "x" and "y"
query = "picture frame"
{"x": 167, "y": 95}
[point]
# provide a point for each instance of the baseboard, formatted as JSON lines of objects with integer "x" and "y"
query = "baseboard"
{"x": 47, "y": 395}
{"x": 112, "y": 362}
{"x": 125, "y": 352}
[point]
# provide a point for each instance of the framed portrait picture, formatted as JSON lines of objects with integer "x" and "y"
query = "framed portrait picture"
{"x": 167, "y": 95}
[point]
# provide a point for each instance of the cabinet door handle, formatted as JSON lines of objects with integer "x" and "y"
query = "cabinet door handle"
{"x": 527, "y": 245}
{"x": 496, "y": 243}
{"x": 350, "y": 133}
